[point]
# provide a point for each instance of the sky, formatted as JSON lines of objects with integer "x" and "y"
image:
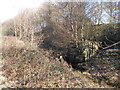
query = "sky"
{"x": 10, "y": 8}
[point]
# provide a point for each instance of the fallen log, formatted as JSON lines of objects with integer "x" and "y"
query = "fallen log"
{"x": 103, "y": 49}
{"x": 111, "y": 45}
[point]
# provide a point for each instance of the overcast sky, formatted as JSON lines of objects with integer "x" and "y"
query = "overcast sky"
{"x": 10, "y": 8}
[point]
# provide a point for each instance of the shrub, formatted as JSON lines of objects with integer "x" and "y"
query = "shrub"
{"x": 7, "y": 32}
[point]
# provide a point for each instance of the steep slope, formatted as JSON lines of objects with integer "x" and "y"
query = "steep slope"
{"x": 36, "y": 68}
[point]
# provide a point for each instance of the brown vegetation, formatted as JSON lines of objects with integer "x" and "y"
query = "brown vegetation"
{"x": 65, "y": 36}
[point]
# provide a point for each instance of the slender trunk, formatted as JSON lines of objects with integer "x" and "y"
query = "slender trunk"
{"x": 75, "y": 35}
{"x": 15, "y": 33}
{"x": 100, "y": 17}
{"x": 32, "y": 36}
{"x": 20, "y": 37}
{"x": 15, "y": 28}
{"x": 82, "y": 36}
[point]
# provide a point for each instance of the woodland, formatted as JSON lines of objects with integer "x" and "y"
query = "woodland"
{"x": 63, "y": 45}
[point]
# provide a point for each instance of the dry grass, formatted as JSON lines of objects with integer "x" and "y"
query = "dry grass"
{"x": 10, "y": 41}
